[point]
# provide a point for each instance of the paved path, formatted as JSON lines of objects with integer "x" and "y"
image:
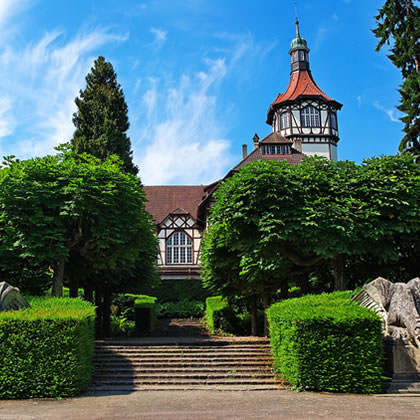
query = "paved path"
{"x": 214, "y": 405}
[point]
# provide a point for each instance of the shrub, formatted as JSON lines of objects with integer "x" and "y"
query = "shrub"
{"x": 122, "y": 327}
{"x": 145, "y": 310}
{"x": 327, "y": 343}
{"x": 175, "y": 290}
{"x": 183, "y": 309}
{"x": 214, "y": 305}
{"x": 123, "y": 305}
{"x": 46, "y": 350}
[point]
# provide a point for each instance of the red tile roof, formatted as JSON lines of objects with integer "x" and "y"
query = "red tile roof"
{"x": 275, "y": 138}
{"x": 166, "y": 199}
{"x": 294, "y": 159}
{"x": 301, "y": 83}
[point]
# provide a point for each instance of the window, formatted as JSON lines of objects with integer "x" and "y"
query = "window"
{"x": 179, "y": 249}
{"x": 310, "y": 117}
{"x": 284, "y": 120}
{"x": 333, "y": 119}
{"x": 278, "y": 149}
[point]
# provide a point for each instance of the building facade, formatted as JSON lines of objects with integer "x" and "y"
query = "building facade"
{"x": 303, "y": 122}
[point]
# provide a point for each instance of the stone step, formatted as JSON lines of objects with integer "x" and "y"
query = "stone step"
{"x": 182, "y": 375}
{"x": 186, "y": 363}
{"x": 174, "y": 370}
{"x": 121, "y": 367}
{"x": 180, "y": 349}
{"x": 187, "y": 381}
{"x": 136, "y": 356}
{"x": 112, "y": 389}
{"x": 404, "y": 387}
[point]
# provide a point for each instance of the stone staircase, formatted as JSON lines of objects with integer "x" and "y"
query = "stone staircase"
{"x": 127, "y": 366}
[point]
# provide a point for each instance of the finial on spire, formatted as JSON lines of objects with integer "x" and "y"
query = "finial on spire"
{"x": 297, "y": 22}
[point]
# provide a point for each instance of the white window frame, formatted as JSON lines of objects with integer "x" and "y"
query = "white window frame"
{"x": 179, "y": 249}
{"x": 284, "y": 120}
{"x": 310, "y": 117}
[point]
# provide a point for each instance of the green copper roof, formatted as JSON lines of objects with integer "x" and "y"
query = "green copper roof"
{"x": 298, "y": 42}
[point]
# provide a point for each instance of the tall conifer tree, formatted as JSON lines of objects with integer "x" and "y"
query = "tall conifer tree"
{"x": 101, "y": 119}
{"x": 398, "y": 24}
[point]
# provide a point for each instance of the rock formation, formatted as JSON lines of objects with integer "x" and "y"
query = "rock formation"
{"x": 11, "y": 298}
{"x": 398, "y": 304}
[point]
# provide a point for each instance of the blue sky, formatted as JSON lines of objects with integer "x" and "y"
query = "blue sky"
{"x": 198, "y": 76}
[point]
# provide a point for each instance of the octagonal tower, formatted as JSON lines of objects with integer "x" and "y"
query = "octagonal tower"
{"x": 304, "y": 113}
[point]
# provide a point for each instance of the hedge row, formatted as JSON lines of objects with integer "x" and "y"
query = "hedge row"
{"x": 182, "y": 309}
{"x": 214, "y": 305}
{"x": 175, "y": 290}
{"x": 145, "y": 309}
{"x": 46, "y": 350}
{"x": 327, "y": 343}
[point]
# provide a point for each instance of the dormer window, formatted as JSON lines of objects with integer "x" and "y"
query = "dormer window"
{"x": 276, "y": 149}
{"x": 309, "y": 117}
{"x": 284, "y": 120}
{"x": 179, "y": 249}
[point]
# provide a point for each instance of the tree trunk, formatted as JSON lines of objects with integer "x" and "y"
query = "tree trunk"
{"x": 88, "y": 293}
{"x": 339, "y": 281}
{"x": 267, "y": 303}
{"x": 254, "y": 322}
{"x": 284, "y": 290}
{"x": 99, "y": 314}
{"x": 106, "y": 313}
{"x": 74, "y": 287}
{"x": 57, "y": 288}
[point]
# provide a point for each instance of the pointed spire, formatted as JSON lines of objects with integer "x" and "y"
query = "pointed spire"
{"x": 297, "y": 28}
{"x": 297, "y": 21}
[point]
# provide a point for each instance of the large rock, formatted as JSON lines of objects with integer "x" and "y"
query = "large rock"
{"x": 11, "y": 298}
{"x": 399, "y": 306}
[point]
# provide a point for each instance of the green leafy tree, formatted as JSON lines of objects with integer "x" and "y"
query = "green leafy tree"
{"x": 272, "y": 221}
{"x": 60, "y": 206}
{"x": 398, "y": 24}
{"x": 101, "y": 119}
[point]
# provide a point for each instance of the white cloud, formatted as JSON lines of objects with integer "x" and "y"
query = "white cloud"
{"x": 321, "y": 35}
{"x": 181, "y": 137}
{"x": 44, "y": 78}
{"x": 9, "y": 8}
{"x": 390, "y": 112}
{"x": 160, "y": 37}
{"x": 185, "y": 139}
{"x": 7, "y": 121}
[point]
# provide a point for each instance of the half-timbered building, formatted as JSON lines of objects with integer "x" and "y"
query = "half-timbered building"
{"x": 303, "y": 122}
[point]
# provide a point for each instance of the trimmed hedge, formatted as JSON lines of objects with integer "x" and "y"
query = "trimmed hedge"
{"x": 174, "y": 290}
{"x": 47, "y": 350}
{"x": 145, "y": 310}
{"x": 214, "y": 305}
{"x": 327, "y": 343}
{"x": 183, "y": 309}
{"x": 224, "y": 318}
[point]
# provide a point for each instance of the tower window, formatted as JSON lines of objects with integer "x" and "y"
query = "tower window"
{"x": 179, "y": 249}
{"x": 284, "y": 120}
{"x": 309, "y": 117}
{"x": 333, "y": 120}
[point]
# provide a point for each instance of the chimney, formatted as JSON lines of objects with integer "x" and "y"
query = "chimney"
{"x": 297, "y": 144}
{"x": 244, "y": 151}
{"x": 256, "y": 140}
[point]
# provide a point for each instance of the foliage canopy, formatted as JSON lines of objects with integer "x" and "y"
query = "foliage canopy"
{"x": 101, "y": 119}
{"x": 398, "y": 24}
